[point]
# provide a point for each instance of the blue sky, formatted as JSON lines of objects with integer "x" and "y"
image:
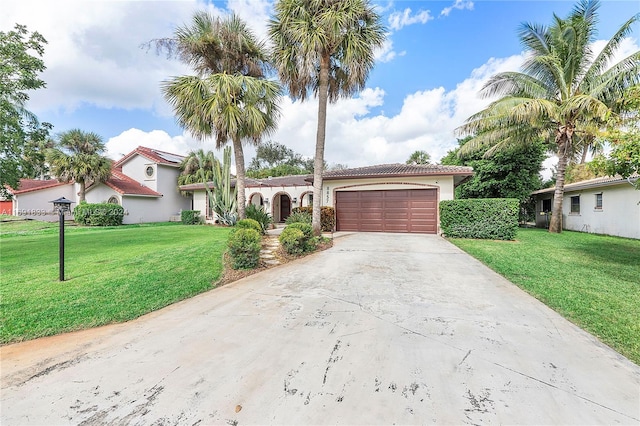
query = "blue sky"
{"x": 424, "y": 84}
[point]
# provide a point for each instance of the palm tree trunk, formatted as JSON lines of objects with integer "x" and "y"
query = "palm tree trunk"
{"x": 555, "y": 225}
{"x": 81, "y": 192}
{"x": 240, "y": 173}
{"x": 318, "y": 162}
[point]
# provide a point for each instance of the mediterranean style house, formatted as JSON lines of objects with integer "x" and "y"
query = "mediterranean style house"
{"x": 143, "y": 182}
{"x": 606, "y": 205}
{"x": 381, "y": 198}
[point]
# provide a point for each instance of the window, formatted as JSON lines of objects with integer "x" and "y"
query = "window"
{"x": 546, "y": 205}
{"x": 599, "y": 201}
{"x": 575, "y": 204}
{"x": 113, "y": 200}
{"x": 149, "y": 171}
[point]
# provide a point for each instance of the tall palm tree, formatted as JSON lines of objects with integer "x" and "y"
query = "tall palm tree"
{"x": 197, "y": 167}
{"x": 325, "y": 48}
{"x": 78, "y": 156}
{"x": 228, "y": 99}
{"x": 564, "y": 93}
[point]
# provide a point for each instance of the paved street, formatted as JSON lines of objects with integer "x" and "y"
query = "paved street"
{"x": 379, "y": 329}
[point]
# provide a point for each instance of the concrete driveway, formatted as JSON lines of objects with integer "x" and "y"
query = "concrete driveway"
{"x": 380, "y": 329}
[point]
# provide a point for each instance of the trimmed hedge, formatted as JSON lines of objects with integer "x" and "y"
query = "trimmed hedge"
{"x": 297, "y": 238}
{"x": 244, "y": 248}
{"x": 249, "y": 224}
{"x": 190, "y": 217}
{"x": 98, "y": 214}
{"x": 327, "y": 216}
{"x": 480, "y": 218}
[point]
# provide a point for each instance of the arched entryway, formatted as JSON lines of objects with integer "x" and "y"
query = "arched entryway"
{"x": 281, "y": 207}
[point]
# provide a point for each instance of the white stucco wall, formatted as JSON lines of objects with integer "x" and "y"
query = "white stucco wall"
{"x": 35, "y": 205}
{"x": 619, "y": 216}
{"x": 136, "y": 168}
{"x": 444, "y": 184}
{"x": 620, "y": 213}
{"x": 173, "y": 202}
{"x": 101, "y": 193}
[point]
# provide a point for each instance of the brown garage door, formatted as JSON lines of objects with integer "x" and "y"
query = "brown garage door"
{"x": 411, "y": 210}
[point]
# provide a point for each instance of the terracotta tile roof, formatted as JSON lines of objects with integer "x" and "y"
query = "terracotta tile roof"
{"x": 155, "y": 155}
{"x": 28, "y": 185}
{"x": 591, "y": 183}
{"x": 397, "y": 170}
{"x": 125, "y": 185}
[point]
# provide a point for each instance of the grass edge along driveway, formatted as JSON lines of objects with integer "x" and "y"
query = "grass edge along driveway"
{"x": 113, "y": 274}
{"x": 592, "y": 280}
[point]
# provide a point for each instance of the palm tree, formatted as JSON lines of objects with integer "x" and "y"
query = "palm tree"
{"x": 325, "y": 48}
{"x": 77, "y": 156}
{"x": 228, "y": 99}
{"x": 419, "y": 157}
{"x": 197, "y": 167}
{"x": 564, "y": 93}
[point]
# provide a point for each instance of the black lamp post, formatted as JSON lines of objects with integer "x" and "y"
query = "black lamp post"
{"x": 62, "y": 205}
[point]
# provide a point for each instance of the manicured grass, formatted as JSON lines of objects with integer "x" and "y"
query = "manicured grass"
{"x": 112, "y": 274}
{"x": 592, "y": 280}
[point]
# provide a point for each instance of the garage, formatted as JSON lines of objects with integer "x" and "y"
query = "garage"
{"x": 409, "y": 210}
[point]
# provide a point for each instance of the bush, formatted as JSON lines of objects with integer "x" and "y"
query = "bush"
{"x": 480, "y": 218}
{"x": 244, "y": 248}
{"x": 327, "y": 216}
{"x": 249, "y": 224}
{"x": 258, "y": 214}
{"x": 298, "y": 242}
{"x": 190, "y": 217}
{"x": 293, "y": 240}
{"x": 98, "y": 214}
{"x": 298, "y": 217}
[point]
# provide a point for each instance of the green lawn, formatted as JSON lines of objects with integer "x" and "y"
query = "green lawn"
{"x": 112, "y": 274}
{"x": 592, "y": 280}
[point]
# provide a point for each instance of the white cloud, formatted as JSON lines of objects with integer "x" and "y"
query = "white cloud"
{"x": 128, "y": 140}
{"x": 397, "y": 20}
{"x": 458, "y": 4}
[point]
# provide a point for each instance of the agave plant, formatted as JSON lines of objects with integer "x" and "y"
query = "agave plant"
{"x": 222, "y": 197}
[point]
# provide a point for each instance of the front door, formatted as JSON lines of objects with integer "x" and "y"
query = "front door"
{"x": 285, "y": 207}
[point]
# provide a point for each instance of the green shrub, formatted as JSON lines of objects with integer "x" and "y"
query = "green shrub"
{"x": 301, "y": 217}
{"x": 190, "y": 217}
{"x": 327, "y": 216}
{"x": 249, "y": 224}
{"x": 480, "y": 218}
{"x": 294, "y": 243}
{"x": 292, "y": 240}
{"x": 258, "y": 214}
{"x": 244, "y": 248}
{"x": 98, "y": 214}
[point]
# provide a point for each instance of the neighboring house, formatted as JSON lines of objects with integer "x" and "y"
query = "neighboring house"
{"x": 607, "y": 205}
{"x": 382, "y": 198}
{"x": 32, "y": 199}
{"x": 143, "y": 182}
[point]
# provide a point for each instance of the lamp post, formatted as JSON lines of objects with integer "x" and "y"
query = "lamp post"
{"x": 62, "y": 205}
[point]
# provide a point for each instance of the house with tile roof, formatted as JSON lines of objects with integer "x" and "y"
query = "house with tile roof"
{"x": 143, "y": 182}
{"x": 381, "y": 198}
{"x": 605, "y": 205}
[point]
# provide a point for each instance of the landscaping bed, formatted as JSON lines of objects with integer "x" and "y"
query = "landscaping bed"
{"x": 592, "y": 280}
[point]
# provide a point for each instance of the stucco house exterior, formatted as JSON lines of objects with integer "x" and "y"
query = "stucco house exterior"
{"x": 143, "y": 182}
{"x": 381, "y": 198}
{"x": 606, "y": 205}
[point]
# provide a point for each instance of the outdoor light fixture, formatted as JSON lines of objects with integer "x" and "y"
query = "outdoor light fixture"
{"x": 266, "y": 199}
{"x": 295, "y": 200}
{"x": 61, "y": 205}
